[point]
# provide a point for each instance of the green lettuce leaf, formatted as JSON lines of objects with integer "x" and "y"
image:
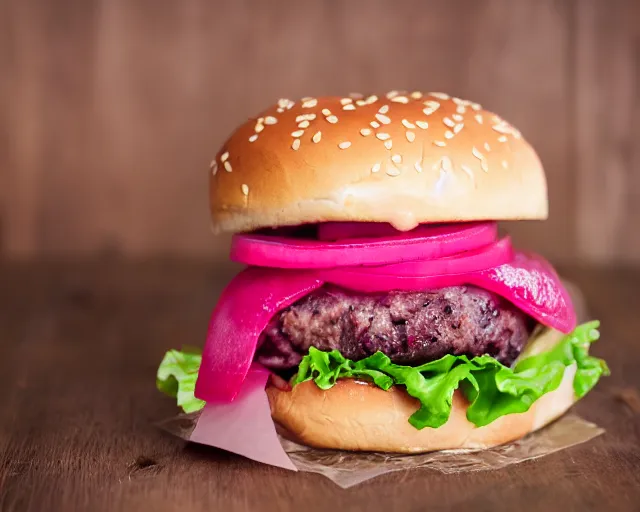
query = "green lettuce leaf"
{"x": 492, "y": 389}
{"x": 177, "y": 376}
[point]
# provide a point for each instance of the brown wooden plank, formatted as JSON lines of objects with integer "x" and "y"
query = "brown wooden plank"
{"x": 607, "y": 129}
{"x": 80, "y": 345}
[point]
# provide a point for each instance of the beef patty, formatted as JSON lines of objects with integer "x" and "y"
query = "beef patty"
{"x": 410, "y": 327}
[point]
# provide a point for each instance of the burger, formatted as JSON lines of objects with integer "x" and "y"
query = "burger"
{"x": 377, "y": 292}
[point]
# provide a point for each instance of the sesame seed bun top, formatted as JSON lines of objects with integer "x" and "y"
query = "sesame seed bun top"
{"x": 399, "y": 158}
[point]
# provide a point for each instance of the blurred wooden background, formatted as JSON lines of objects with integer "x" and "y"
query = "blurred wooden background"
{"x": 110, "y": 110}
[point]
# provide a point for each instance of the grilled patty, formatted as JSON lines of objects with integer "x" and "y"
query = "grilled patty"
{"x": 410, "y": 327}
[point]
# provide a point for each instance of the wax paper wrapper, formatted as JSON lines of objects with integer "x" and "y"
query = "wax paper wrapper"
{"x": 245, "y": 427}
{"x": 347, "y": 469}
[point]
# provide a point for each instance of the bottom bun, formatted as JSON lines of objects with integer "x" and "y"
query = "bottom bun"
{"x": 356, "y": 415}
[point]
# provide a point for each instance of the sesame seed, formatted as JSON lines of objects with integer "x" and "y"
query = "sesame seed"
{"x": 502, "y": 138}
{"x": 468, "y": 171}
{"x": 439, "y": 143}
{"x": 383, "y": 119}
{"x": 316, "y": 137}
{"x": 448, "y": 134}
{"x": 346, "y": 101}
{"x": 270, "y": 120}
{"x": 213, "y": 164}
{"x": 422, "y": 124}
{"x": 461, "y": 109}
{"x": 416, "y": 95}
{"x": 295, "y": 145}
{"x": 245, "y": 189}
{"x": 388, "y": 144}
{"x": 301, "y": 117}
{"x": 400, "y": 99}
{"x": 374, "y": 124}
{"x": 384, "y": 109}
{"x": 383, "y": 136}
{"x": 344, "y": 145}
{"x": 311, "y": 117}
{"x": 434, "y": 105}
{"x": 396, "y": 159}
{"x": 428, "y": 111}
{"x": 457, "y": 128}
{"x": 418, "y": 167}
{"x": 439, "y": 95}
{"x": 224, "y": 156}
{"x": 449, "y": 122}
{"x": 365, "y": 131}
{"x": 410, "y": 136}
{"x": 326, "y": 112}
{"x": 372, "y": 99}
{"x": 457, "y": 117}
{"x": 310, "y": 103}
{"x": 297, "y": 133}
{"x": 285, "y": 103}
{"x": 393, "y": 172}
{"x": 478, "y": 118}
{"x": 487, "y": 147}
{"x": 476, "y": 106}
{"x": 349, "y": 107}
{"x": 214, "y": 167}
{"x": 477, "y": 153}
{"x": 375, "y": 167}
{"x": 408, "y": 124}
{"x": 306, "y": 98}
{"x": 445, "y": 163}
{"x": 253, "y": 138}
{"x": 484, "y": 165}
{"x": 227, "y": 166}
{"x": 392, "y": 94}
{"x": 361, "y": 103}
{"x": 258, "y": 127}
{"x": 457, "y": 101}
{"x": 505, "y": 164}
{"x": 332, "y": 119}
{"x": 279, "y": 110}
{"x": 303, "y": 124}
{"x": 501, "y": 128}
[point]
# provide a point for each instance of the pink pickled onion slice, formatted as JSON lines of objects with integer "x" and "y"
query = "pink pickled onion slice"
{"x": 424, "y": 242}
{"x": 486, "y": 257}
{"x": 242, "y": 313}
{"x": 529, "y": 282}
{"x": 331, "y": 231}
{"x": 256, "y": 294}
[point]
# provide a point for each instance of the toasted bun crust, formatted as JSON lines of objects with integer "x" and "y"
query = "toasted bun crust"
{"x": 355, "y": 415}
{"x": 402, "y": 159}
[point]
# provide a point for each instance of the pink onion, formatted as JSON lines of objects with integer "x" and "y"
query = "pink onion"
{"x": 423, "y": 243}
{"x": 242, "y": 313}
{"x": 489, "y": 256}
{"x": 530, "y": 283}
{"x": 256, "y": 294}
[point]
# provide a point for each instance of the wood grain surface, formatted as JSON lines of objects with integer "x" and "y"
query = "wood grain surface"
{"x": 80, "y": 346}
{"x": 110, "y": 110}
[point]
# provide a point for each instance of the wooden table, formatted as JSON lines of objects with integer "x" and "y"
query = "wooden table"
{"x": 80, "y": 345}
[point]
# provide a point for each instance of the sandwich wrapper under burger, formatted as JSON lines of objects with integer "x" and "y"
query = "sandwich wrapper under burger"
{"x": 379, "y": 311}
